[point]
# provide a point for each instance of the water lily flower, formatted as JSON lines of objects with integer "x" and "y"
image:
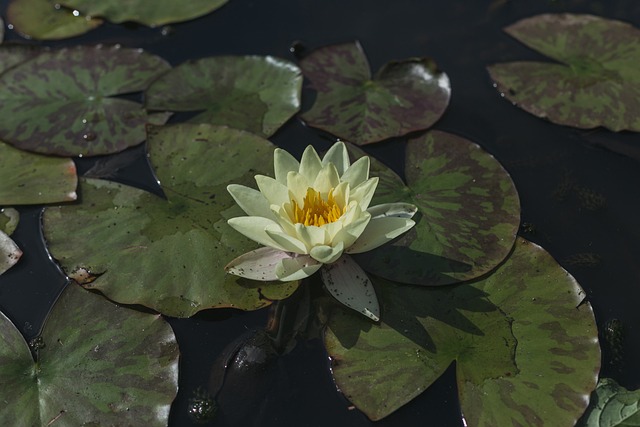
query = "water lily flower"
{"x": 310, "y": 217}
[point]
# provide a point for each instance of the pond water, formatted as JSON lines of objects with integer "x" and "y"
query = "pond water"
{"x": 577, "y": 188}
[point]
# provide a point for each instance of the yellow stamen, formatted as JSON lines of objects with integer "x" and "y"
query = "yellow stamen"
{"x": 317, "y": 211}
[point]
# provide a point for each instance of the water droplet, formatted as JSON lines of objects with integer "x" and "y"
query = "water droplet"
{"x": 89, "y": 136}
{"x": 57, "y": 6}
{"x": 80, "y": 155}
{"x": 84, "y": 121}
{"x": 297, "y": 49}
{"x": 167, "y": 30}
{"x": 10, "y": 26}
{"x": 76, "y": 13}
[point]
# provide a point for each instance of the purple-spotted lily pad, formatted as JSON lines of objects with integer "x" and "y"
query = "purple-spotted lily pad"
{"x": 612, "y": 406}
{"x": 468, "y": 213}
{"x": 65, "y": 102}
{"x": 96, "y": 364}
{"x": 523, "y": 338}
{"x": 404, "y": 96}
{"x": 595, "y": 81}
{"x": 253, "y": 93}
{"x": 27, "y": 178}
{"x": 147, "y": 12}
{"x": 14, "y": 54}
{"x": 138, "y": 248}
{"x": 42, "y": 20}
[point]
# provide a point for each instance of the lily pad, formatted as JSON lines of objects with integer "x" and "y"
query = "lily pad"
{"x": 10, "y": 253}
{"x": 595, "y": 83}
{"x": 14, "y": 54}
{"x": 97, "y": 364}
{"x": 523, "y": 339}
{"x": 253, "y": 93}
{"x": 147, "y": 12}
{"x": 27, "y": 178}
{"x": 9, "y": 219}
{"x": 612, "y": 406}
{"x": 468, "y": 213}
{"x": 42, "y": 20}
{"x": 403, "y": 96}
{"x": 138, "y": 248}
{"x": 65, "y": 102}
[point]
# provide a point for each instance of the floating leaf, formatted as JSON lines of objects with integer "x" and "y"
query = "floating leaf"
{"x": 523, "y": 339}
{"x": 14, "y": 54}
{"x": 253, "y": 93}
{"x": 65, "y": 102}
{"x": 468, "y": 213}
{"x": 612, "y": 406}
{"x": 404, "y": 96}
{"x": 97, "y": 364}
{"x": 147, "y": 12}
{"x": 9, "y": 219}
{"x": 596, "y": 83}
{"x": 1, "y": 30}
{"x": 168, "y": 254}
{"x": 10, "y": 253}
{"x": 41, "y": 20}
{"x": 27, "y": 178}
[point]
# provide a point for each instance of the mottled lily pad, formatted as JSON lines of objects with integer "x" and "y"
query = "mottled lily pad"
{"x": 612, "y": 406}
{"x": 27, "y": 178}
{"x": 10, "y": 253}
{"x": 42, "y": 20}
{"x": 253, "y": 93}
{"x": 595, "y": 83}
{"x": 14, "y": 54}
{"x": 468, "y": 213}
{"x": 138, "y": 248}
{"x": 523, "y": 339}
{"x": 402, "y": 97}
{"x": 65, "y": 102}
{"x": 97, "y": 365}
{"x": 147, "y": 12}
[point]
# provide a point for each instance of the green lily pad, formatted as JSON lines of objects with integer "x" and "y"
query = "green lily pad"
{"x": 253, "y": 93}
{"x": 403, "y": 96}
{"x": 97, "y": 364}
{"x": 27, "y": 178}
{"x": 612, "y": 406}
{"x": 468, "y": 213}
{"x": 10, "y": 253}
{"x": 169, "y": 255}
{"x": 65, "y": 102}
{"x": 42, "y": 20}
{"x": 9, "y": 219}
{"x": 523, "y": 338}
{"x": 147, "y": 12}
{"x": 14, "y": 54}
{"x": 595, "y": 83}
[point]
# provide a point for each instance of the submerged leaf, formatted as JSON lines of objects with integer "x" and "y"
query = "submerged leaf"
{"x": 523, "y": 339}
{"x": 97, "y": 364}
{"x": 468, "y": 213}
{"x": 404, "y": 96}
{"x": 41, "y": 20}
{"x": 65, "y": 102}
{"x": 27, "y": 178}
{"x": 612, "y": 406}
{"x": 147, "y": 12}
{"x": 595, "y": 83}
{"x": 168, "y": 254}
{"x": 253, "y": 93}
{"x": 10, "y": 253}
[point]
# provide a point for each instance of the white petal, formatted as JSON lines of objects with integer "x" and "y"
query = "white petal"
{"x": 254, "y": 227}
{"x": 283, "y": 163}
{"x": 349, "y": 284}
{"x": 341, "y": 194}
{"x": 327, "y": 179}
{"x": 350, "y": 232}
{"x": 257, "y": 265}
{"x": 275, "y": 192}
{"x": 251, "y": 201}
{"x": 399, "y": 210}
{"x": 297, "y": 186}
{"x": 327, "y": 254}
{"x": 363, "y": 193}
{"x": 358, "y": 172}
{"x": 297, "y": 268}
{"x": 380, "y": 231}
{"x": 337, "y": 155}
{"x": 311, "y": 235}
{"x": 310, "y": 164}
{"x": 290, "y": 244}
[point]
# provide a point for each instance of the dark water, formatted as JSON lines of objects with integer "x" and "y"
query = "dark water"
{"x": 578, "y": 188}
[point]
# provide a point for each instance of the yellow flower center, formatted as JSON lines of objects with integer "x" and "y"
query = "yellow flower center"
{"x": 316, "y": 210}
